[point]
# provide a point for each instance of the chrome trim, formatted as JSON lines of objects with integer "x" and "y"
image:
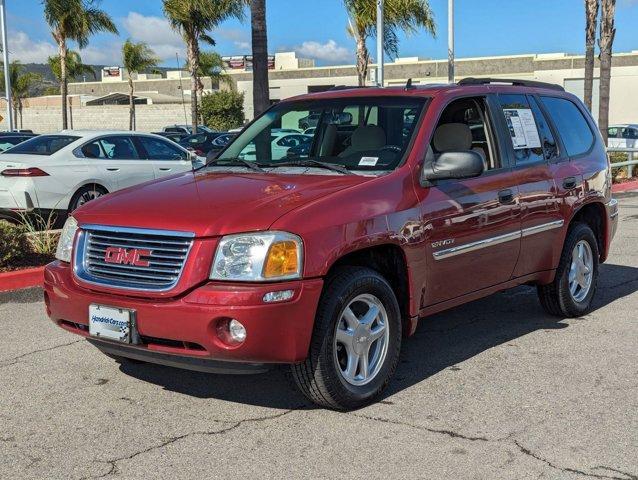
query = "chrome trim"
{"x": 470, "y": 247}
{"x": 526, "y": 232}
{"x": 84, "y": 250}
{"x": 488, "y": 242}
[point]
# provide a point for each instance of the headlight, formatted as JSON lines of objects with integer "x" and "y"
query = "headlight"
{"x": 258, "y": 257}
{"x": 65, "y": 244}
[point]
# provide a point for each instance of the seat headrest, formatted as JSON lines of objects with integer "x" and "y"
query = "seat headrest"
{"x": 92, "y": 150}
{"x": 451, "y": 137}
{"x": 367, "y": 137}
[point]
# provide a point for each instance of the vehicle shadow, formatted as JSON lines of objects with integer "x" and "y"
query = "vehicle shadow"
{"x": 441, "y": 341}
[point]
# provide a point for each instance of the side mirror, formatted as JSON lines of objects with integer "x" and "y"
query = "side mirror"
{"x": 454, "y": 165}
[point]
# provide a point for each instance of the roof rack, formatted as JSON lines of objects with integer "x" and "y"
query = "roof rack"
{"x": 517, "y": 82}
{"x": 346, "y": 87}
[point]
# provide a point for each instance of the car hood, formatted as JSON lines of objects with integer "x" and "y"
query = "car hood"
{"x": 212, "y": 203}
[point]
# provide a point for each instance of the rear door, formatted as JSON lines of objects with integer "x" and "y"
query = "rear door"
{"x": 164, "y": 156}
{"x": 473, "y": 225}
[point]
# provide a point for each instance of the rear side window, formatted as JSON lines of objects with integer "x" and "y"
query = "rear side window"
{"x": 43, "y": 145}
{"x": 523, "y": 129}
{"x": 571, "y": 124}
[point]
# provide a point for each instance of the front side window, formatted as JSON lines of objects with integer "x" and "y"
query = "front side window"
{"x": 572, "y": 127}
{"x": 43, "y": 145}
{"x": 547, "y": 138}
{"x": 355, "y": 133}
{"x": 157, "y": 149}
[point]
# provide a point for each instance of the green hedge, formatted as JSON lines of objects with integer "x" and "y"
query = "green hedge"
{"x": 223, "y": 110}
{"x": 14, "y": 245}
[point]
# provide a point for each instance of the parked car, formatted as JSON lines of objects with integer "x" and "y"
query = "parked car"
{"x": 327, "y": 263}
{"x": 187, "y": 129}
{"x": 10, "y": 141}
{"x": 65, "y": 170}
{"x": 202, "y": 143}
{"x": 310, "y": 131}
{"x": 174, "y": 136}
{"x": 623, "y": 136}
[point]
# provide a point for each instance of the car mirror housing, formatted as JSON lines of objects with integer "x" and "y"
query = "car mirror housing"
{"x": 454, "y": 165}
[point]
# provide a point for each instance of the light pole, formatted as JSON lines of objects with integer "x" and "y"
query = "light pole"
{"x": 5, "y": 53}
{"x": 380, "y": 43}
{"x": 450, "y": 41}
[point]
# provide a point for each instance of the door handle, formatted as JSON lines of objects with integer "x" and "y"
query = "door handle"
{"x": 165, "y": 169}
{"x": 113, "y": 169}
{"x": 505, "y": 196}
{"x": 569, "y": 183}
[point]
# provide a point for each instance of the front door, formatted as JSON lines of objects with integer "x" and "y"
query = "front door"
{"x": 165, "y": 157}
{"x": 472, "y": 225}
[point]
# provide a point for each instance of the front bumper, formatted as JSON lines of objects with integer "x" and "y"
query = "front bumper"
{"x": 182, "y": 331}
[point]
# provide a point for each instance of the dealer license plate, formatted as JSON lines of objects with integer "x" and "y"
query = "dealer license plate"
{"x": 110, "y": 323}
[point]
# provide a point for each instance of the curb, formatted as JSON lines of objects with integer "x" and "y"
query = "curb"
{"x": 29, "y": 277}
{"x": 624, "y": 187}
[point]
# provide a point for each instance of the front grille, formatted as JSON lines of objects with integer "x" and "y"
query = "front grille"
{"x": 148, "y": 259}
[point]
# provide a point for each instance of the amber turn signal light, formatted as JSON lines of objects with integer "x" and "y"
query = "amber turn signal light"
{"x": 282, "y": 260}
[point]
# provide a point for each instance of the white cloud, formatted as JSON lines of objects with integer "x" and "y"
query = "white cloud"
{"x": 157, "y": 32}
{"x": 23, "y": 48}
{"x": 330, "y": 51}
{"x": 238, "y": 37}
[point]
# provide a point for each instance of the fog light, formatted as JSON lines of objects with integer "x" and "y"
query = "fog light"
{"x": 230, "y": 331}
{"x": 237, "y": 331}
{"x": 279, "y": 296}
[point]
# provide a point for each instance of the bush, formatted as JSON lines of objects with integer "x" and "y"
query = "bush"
{"x": 14, "y": 245}
{"x": 223, "y": 110}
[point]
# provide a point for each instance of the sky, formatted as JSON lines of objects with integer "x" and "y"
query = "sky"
{"x": 317, "y": 29}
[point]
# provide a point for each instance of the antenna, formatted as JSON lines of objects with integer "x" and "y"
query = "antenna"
{"x": 408, "y": 85}
{"x": 179, "y": 74}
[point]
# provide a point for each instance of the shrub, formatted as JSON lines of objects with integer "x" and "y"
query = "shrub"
{"x": 13, "y": 243}
{"x": 223, "y": 110}
{"x": 40, "y": 233}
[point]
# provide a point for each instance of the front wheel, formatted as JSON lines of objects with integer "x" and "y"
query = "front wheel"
{"x": 85, "y": 195}
{"x": 356, "y": 341}
{"x": 572, "y": 291}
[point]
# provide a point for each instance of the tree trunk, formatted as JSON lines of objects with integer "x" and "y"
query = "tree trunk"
{"x": 20, "y": 111}
{"x": 605, "y": 43}
{"x": 193, "y": 62}
{"x": 363, "y": 59}
{"x": 62, "y": 50}
{"x": 131, "y": 104}
{"x": 591, "y": 15}
{"x": 261, "y": 93}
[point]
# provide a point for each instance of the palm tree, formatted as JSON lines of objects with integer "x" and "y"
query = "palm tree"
{"x": 74, "y": 20}
{"x": 261, "y": 94}
{"x": 136, "y": 58}
{"x": 212, "y": 66}
{"x": 21, "y": 85}
{"x": 193, "y": 19}
{"x": 605, "y": 43}
{"x": 406, "y": 15}
{"x": 75, "y": 68}
{"x": 591, "y": 15}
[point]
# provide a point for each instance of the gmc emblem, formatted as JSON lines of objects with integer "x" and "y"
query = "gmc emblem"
{"x": 126, "y": 257}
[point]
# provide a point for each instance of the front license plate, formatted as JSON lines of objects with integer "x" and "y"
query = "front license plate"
{"x": 110, "y": 323}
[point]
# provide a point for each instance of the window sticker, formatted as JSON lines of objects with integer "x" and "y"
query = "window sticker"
{"x": 368, "y": 161}
{"x": 522, "y": 127}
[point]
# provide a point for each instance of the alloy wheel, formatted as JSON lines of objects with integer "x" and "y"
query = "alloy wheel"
{"x": 581, "y": 271}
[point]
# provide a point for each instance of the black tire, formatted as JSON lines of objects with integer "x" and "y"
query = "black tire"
{"x": 556, "y": 297}
{"x": 76, "y": 200}
{"x": 318, "y": 377}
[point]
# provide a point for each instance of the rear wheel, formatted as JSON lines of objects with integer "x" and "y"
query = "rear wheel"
{"x": 572, "y": 291}
{"x": 85, "y": 195}
{"x": 356, "y": 341}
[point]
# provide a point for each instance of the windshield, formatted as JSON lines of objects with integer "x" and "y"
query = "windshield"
{"x": 43, "y": 144}
{"x": 356, "y": 133}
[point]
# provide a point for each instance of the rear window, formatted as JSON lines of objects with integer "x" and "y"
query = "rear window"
{"x": 44, "y": 144}
{"x": 571, "y": 124}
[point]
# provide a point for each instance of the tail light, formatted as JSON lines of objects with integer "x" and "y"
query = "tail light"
{"x": 24, "y": 172}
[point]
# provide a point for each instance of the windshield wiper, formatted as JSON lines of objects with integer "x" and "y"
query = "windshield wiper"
{"x": 309, "y": 162}
{"x": 233, "y": 162}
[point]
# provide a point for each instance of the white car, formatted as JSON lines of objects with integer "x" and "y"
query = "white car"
{"x": 280, "y": 142}
{"x": 623, "y": 136}
{"x": 62, "y": 171}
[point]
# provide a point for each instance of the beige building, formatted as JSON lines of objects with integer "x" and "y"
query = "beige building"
{"x": 165, "y": 100}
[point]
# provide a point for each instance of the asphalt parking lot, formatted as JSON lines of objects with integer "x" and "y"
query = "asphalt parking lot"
{"x": 495, "y": 389}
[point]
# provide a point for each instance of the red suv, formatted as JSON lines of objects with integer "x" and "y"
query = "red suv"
{"x": 408, "y": 201}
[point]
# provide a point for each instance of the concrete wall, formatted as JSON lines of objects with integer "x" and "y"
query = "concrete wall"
{"x": 150, "y": 118}
{"x": 165, "y": 86}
